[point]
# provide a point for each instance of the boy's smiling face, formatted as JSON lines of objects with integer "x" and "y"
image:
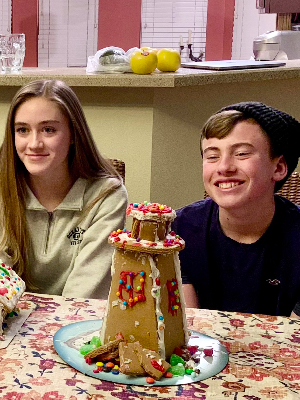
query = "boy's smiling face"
{"x": 238, "y": 170}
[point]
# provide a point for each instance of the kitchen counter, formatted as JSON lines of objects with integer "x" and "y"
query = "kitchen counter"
{"x": 153, "y": 122}
{"x": 182, "y": 77}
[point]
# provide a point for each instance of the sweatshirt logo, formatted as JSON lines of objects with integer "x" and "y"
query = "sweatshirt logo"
{"x": 76, "y": 236}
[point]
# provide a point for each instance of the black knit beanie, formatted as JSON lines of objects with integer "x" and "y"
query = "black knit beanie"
{"x": 282, "y": 129}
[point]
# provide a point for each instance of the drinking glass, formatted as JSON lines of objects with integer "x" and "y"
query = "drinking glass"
{"x": 12, "y": 52}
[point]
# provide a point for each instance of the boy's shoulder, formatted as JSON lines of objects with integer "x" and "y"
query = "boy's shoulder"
{"x": 285, "y": 206}
{"x": 196, "y": 206}
{"x": 195, "y": 212}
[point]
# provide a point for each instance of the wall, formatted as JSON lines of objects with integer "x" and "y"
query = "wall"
{"x": 119, "y": 23}
{"x": 219, "y": 29}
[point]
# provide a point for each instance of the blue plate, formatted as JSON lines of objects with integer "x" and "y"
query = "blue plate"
{"x": 70, "y": 338}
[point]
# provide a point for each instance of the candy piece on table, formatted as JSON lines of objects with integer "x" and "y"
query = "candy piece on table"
{"x": 178, "y": 351}
{"x": 109, "y": 364}
{"x": 86, "y": 348}
{"x": 193, "y": 349}
{"x": 178, "y": 370}
{"x": 149, "y": 379}
{"x": 95, "y": 341}
{"x": 175, "y": 359}
{"x": 208, "y": 352}
{"x": 115, "y": 371}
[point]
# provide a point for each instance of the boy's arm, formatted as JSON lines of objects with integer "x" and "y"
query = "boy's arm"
{"x": 190, "y": 296}
{"x": 294, "y": 315}
{"x": 296, "y": 311}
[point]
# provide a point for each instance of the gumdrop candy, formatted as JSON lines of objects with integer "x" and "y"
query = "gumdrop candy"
{"x": 177, "y": 370}
{"x": 193, "y": 349}
{"x": 86, "y": 348}
{"x": 175, "y": 359}
{"x": 95, "y": 341}
{"x": 189, "y": 371}
{"x": 178, "y": 351}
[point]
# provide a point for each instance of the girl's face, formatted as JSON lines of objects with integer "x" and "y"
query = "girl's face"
{"x": 42, "y": 138}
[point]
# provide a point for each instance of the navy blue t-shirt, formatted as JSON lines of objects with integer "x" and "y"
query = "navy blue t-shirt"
{"x": 262, "y": 277}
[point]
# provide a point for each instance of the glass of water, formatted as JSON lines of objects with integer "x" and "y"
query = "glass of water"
{"x": 12, "y": 52}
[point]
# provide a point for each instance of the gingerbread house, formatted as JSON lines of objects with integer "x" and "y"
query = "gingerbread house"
{"x": 146, "y": 302}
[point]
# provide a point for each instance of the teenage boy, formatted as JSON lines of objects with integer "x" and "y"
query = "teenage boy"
{"x": 243, "y": 242}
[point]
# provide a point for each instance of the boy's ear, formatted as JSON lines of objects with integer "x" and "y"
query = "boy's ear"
{"x": 281, "y": 169}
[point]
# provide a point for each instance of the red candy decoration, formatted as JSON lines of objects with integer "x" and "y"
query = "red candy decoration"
{"x": 192, "y": 349}
{"x": 149, "y": 379}
{"x": 208, "y": 352}
{"x": 149, "y": 208}
{"x": 157, "y": 366}
{"x": 127, "y": 286}
{"x": 178, "y": 351}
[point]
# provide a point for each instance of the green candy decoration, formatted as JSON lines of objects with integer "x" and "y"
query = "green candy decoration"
{"x": 175, "y": 359}
{"x": 177, "y": 370}
{"x": 86, "y": 348}
{"x": 92, "y": 345}
{"x": 188, "y": 371}
{"x": 96, "y": 341}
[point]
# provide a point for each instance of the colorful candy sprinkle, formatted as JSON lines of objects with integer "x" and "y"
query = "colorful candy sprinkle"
{"x": 149, "y": 379}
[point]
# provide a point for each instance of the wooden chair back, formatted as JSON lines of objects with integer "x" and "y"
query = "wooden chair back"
{"x": 291, "y": 189}
{"x": 119, "y": 166}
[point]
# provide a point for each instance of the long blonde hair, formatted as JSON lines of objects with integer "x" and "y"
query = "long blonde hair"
{"x": 85, "y": 161}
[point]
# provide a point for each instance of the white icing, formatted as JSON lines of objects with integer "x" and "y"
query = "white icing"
{"x": 128, "y": 240}
{"x": 136, "y": 323}
{"x": 155, "y": 292}
{"x": 141, "y": 216}
{"x": 190, "y": 364}
{"x": 103, "y": 328}
{"x": 182, "y": 301}
{"x": 149, "y": 355}
{"x": 112, "y": 268}
{"x": 115, "y": 303}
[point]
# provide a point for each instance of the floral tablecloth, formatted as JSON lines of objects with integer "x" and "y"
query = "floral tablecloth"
{"x": 264, "y": 360}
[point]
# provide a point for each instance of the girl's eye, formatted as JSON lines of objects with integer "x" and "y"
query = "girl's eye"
{"x": 49, "y": 129}
{"x": 21, "y": 130}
